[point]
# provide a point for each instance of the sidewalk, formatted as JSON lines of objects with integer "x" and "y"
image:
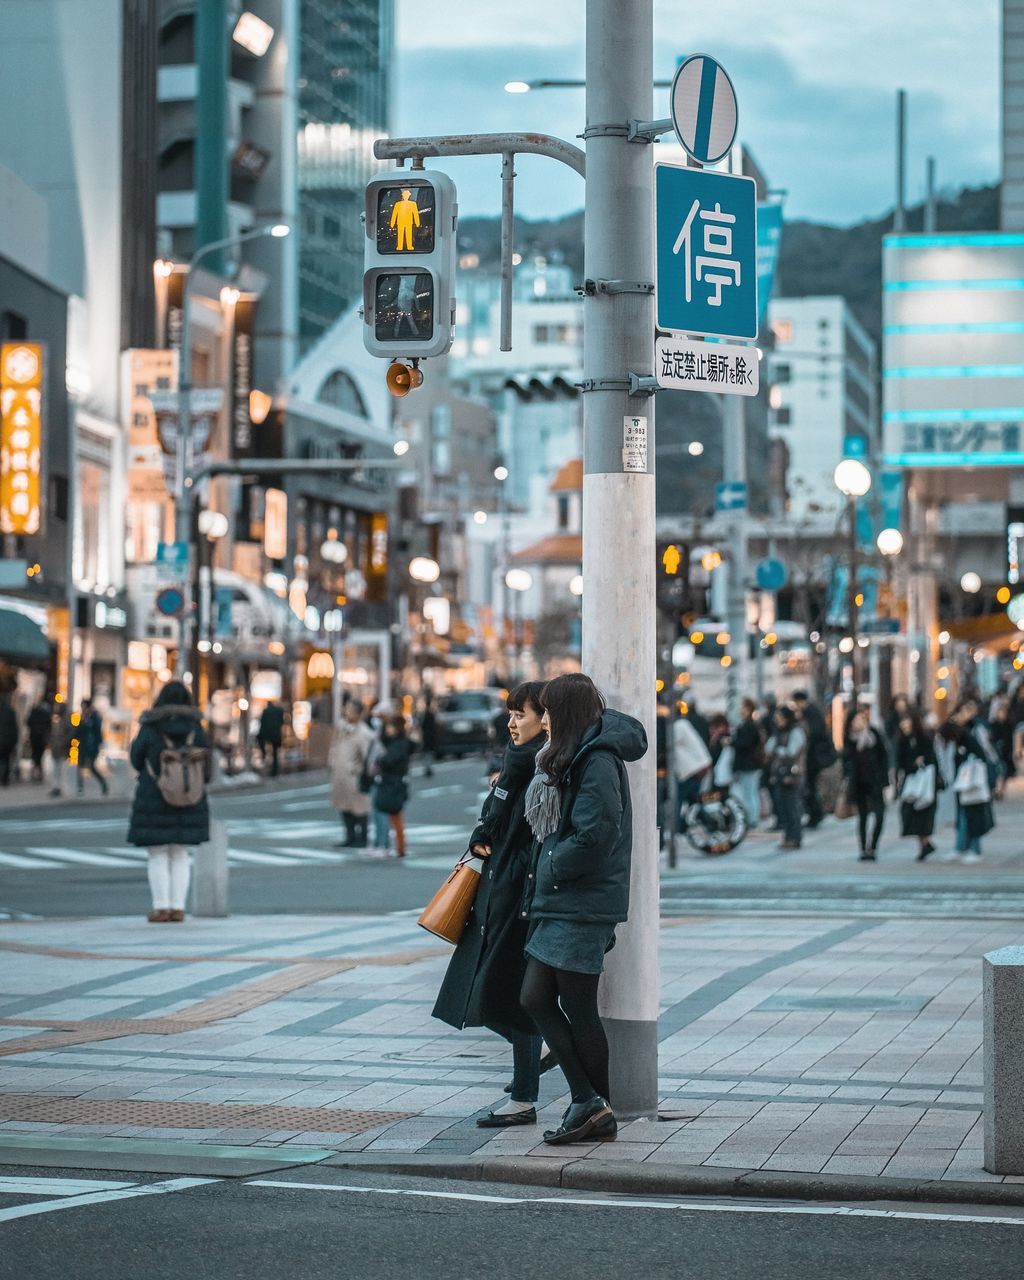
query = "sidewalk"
{"x": 813, "y": 1056}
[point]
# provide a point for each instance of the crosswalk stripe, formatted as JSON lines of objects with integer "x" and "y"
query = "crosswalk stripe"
{"x": 32, "y": 864}
{"x": 90, "y": 857}
{"x": 263, "y": 859}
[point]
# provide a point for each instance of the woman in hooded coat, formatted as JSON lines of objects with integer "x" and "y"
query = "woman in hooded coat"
{"x": 485, "y": 974}
{"x": 579, "y": 808}
{"x": 166, "y": 830}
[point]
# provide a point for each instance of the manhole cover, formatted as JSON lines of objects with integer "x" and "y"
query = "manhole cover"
{"x": 849, "y": 1004}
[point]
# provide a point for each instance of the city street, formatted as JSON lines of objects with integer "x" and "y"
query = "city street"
{"x": 324, "y": 1223}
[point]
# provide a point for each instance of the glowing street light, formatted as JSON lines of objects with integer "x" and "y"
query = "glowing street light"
{"x": 423, "y": 569}
{"x": 576, "y": 584}
{"x": 518, "y": 580}
{"x": 253, "y": 34}
{"x": 890, "y": 542}
{"x": 334, "y": 551}
{"x": 852, "y": 478}
{"x": 971, "y": 583}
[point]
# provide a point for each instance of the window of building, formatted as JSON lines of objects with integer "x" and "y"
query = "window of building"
{"x": 13, "y": 327}
{"x": 783, "y": 416}
{"x": 783, "y": 373}
{"x": 563, "y": 511}
{"x": 338, "y": 389}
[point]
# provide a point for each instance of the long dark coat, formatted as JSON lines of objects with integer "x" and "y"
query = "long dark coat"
{"x": 154, "y": 821}
{"x": 390, "y": 767}
{"x": 481, "y": 987}
{"x": 867, "y": 771}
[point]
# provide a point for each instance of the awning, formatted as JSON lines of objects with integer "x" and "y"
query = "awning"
{"x": 21, "y": 639}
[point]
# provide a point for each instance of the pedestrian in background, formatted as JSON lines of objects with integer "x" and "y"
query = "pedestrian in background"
{"x": 579, "y": 809}
{"x": 866, "y": 768}
{"x": 1002, "y": 736}
{"x": 90, "y": 741}
{"x": 347, "y": 763}
{"x": 428, "y": 736}
{"x": 820, "y": 754}
{"x": 60, "y": 747}
{"x": 390, "y": 768}
{"x": 974, "y": 761}
{"x": 915, "y": 755}
{"x": 168, "y": 830}
{"x": 748, "y": 761}
{"x": 9, "y": 738}
{"x": 40, "y": 727}
{"x": 786, "y": 753}
{"x": 270, "y": 735}
{"x": 485, "y": 975}
{"x": 691, "y": 762}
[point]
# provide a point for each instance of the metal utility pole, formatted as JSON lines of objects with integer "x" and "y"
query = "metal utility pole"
{"x": 619, "y": 643}
{"x": 734, "y": 470}
{"x": 853, "y": 608}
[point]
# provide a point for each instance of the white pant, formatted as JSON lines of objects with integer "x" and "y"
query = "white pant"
{"x": 169, "y": 869}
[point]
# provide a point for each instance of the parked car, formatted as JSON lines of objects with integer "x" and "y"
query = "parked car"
{"x": 464, "y": 721}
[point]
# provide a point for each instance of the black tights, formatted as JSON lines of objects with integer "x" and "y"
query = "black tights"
{"x": 870, "y": 809}
{"x": 564, "y": 1007}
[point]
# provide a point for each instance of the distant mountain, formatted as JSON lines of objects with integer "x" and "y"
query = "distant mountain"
{"x": 815, "y": 259}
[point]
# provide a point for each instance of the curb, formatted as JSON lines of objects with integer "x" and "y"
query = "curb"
{"x": 681, "y": 1179}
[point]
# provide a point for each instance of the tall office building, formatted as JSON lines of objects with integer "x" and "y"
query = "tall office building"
{"x": 345, "y": 51}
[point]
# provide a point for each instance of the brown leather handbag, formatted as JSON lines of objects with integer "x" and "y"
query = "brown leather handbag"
{"x": 446, "y": 913}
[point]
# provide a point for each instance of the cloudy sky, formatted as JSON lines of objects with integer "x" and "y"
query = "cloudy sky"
{"x": 815, "y": 81}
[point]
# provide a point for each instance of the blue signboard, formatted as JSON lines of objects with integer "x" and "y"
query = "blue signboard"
{"x": 770, "y": 574}
{"x": 769, "y": 242}
{"x": 706, "y": 252}
{"x": 731, "y": 496}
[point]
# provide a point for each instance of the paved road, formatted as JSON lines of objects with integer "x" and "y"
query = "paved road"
{"x": 284, "y": 855}
{"x": 323, "y": 1224}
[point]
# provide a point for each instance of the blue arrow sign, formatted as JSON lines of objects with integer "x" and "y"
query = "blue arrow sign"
{"x": 706, "y": 252}
{"x": 731, "y": 496}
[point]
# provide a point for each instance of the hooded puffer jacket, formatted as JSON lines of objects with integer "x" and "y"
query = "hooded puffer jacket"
{"x": 582, "y": 870}
{"x": 153, "y": 820}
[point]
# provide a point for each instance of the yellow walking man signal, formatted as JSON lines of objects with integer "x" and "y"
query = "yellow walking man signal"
{"x": 405, "y": 215}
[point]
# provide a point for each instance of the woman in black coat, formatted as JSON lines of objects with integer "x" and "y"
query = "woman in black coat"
{"x": 390, "y": 768}
{"x": 915, "y": 750}
{"x": 866, "y": 764}
{"x": 580, "y": 810}
{"x": 167, "y": 830}
{"x": 481, "y": 987}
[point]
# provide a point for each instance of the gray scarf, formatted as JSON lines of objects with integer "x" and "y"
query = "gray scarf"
{"x": 543, "y": 803}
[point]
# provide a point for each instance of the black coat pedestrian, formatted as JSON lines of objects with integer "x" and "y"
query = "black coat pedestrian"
{"x": 153, "y": 821}
{"x": 390, "y": 768}
{"x": 485, "y": 975}
{"x": 8, "y": 728}
{"x": 867, "y": 769}
{"x": 913, "y": 752}
{"x": 748, "y": 744}
{"x": 271, "y": 730}
{"x": 582, "y": 870}
{"x": 40, "y": 726}
{"x": 821, "y": 751}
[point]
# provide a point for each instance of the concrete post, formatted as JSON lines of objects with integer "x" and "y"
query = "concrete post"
{"x": 734, "y": 471}
{"x": 1003, "y": 1056}
{"x": 618, "y": 507}
{"x": 210, "y": 879}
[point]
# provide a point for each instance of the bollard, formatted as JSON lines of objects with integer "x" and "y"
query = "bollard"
{"x": 210, "y": 882}
{"x": 1003, "y": 1041}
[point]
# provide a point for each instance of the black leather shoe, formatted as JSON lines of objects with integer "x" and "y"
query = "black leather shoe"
{"x": 584, "y": 1122}
{"x": 506, "y": 1119}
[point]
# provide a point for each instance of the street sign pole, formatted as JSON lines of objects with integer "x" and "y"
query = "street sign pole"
{"x": 734, "y": 469}
{"x": 618, "y": 497}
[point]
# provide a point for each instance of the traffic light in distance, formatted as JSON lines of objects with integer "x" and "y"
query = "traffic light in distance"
{"x": 409, "y": 279}
{"x": 403, "y": 378}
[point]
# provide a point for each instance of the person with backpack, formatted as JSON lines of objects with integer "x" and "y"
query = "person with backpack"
{"x": 170, "y": 811}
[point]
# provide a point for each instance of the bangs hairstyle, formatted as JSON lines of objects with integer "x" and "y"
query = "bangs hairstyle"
{"x": 574, "y": 704}
{"x": 527, "y": 694}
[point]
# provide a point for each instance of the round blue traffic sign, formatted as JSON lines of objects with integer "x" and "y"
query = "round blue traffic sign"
{"x": 770, "y": 575}
{"x": 703, "y": 107}
{"x": 170, "y": 602}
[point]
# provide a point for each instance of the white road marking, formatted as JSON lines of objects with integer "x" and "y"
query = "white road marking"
{"x": 104, "y": 1197}
{"x": 263, "y": 859}
{"x": 57, "y": 1186}
{"x": 32, "y": 864}
{"x": 834, "y": 1211}
{"x": 92, "y": 858}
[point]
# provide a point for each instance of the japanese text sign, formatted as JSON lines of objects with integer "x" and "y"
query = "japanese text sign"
{"x": 706, "y": 252}
{"x": 685, "y": 365}
{"x": 21, "y": 409}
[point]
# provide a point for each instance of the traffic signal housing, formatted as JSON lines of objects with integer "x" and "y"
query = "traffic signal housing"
{"x": 409, "y": 279}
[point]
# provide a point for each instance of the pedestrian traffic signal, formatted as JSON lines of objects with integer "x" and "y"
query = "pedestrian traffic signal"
{"x": 409, "y": 281}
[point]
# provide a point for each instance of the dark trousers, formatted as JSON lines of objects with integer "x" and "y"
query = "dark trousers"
{"x": 273, "y": 748}
{"x": 789, "y": 808}
{"x": 525, "y": 1063}
{"x": 356, "y": 826}
{"x": 5, "y": 768}
{"x": 87, "y": 764}
{"x": 812, "y": 801}
{"x": 869, "y": 807}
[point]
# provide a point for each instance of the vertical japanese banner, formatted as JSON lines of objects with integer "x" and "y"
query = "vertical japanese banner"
{"x": 377, "y": 560}
{"x": 174, "y": 294}
{"x": 21, "y": 437}
{"x": 769, "y": 242}
{"x": 241, "y": 378}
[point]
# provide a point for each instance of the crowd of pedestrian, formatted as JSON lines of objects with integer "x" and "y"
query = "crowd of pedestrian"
{"x": 788, "y": 764}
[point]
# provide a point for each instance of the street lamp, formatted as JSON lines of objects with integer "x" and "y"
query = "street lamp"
{"x": 853, "y": 480}
{"x": 423, "y": 569}
{"x": 182, "y": 494}
{"x": 971, "y": 583}
{"x": 890, "y": 542}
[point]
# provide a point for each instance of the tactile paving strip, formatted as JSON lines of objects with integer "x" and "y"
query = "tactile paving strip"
{"x": 191, "y": 1115}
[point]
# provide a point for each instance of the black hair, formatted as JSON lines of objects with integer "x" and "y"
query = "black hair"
{"x": 786, "y": 714}
{"x": 527, "y": 694}
{"x": 173, "y": 694}
{"x": 396, "y": 723}
{"x": 574, "y": 705}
